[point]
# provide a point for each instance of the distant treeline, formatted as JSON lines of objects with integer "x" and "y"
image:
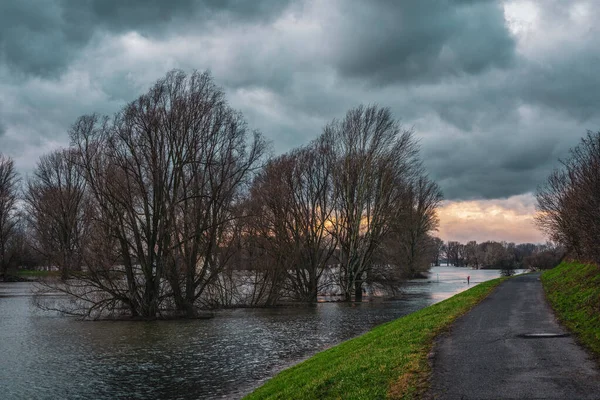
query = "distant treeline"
{"x": 498, "y": 255}
{"x": 173, "y": 204}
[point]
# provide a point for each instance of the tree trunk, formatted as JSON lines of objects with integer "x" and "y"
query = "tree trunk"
{"x": 64, "y": 270}
{"x": 150, "y": 306}
{"x": 313, "y": 286}
{"x": 348, "y": 286}
{"x": 358, "y": 294}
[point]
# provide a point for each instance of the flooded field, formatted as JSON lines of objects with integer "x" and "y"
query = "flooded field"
{"x": 49, "y": 356}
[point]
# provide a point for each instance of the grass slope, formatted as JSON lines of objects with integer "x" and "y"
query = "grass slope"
{"x": 390, "y": 361}
{"x": 573, "y": 290}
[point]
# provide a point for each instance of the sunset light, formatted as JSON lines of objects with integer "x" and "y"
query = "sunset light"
{"x": 510, "y": 220}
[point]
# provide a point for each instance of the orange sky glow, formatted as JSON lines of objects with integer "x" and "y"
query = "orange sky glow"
{"x": 508, "y": 219}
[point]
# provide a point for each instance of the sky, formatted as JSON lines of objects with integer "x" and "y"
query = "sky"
{"x": 496, "y": 91}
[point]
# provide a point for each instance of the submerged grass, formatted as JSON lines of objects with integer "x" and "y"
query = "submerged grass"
{"x": 573, "y": 290}
{"x": 390, "y": 361}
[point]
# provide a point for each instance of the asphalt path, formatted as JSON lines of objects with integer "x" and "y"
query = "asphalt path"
{"x": 488, "y": 353}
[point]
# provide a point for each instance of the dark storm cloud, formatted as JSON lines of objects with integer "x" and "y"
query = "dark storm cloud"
{"x": 151, "y": 15}
{"x": 501, "y": 161}
{"x": 43, "y": 37}
{"x": 534, "y": 156}
{"x": 389, "y": 41}
{"x": 536, "y": 112}
{"x": 493, "y": 109}
{"x": 570, "y": 85}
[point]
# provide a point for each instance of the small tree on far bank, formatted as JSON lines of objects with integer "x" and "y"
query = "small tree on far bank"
{"x": 413, "y": 247}
{"x": 437, "y": 250}
{"x": 9, "y": 184}
{"x": 58, "y": 211}
{"x": 546, "y": 257}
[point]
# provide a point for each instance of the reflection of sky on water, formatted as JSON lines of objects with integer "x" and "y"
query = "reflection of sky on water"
{"x": 444, "y": 282}
{"x": 48, "y": 356}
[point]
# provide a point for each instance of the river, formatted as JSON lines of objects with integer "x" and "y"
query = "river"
{"x": 44, "y": 355}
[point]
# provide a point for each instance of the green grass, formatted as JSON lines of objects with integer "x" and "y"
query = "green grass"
{"x": 26, "y": 273}
{"x": 573, "y": 290}
{"x": 391, "y": 361}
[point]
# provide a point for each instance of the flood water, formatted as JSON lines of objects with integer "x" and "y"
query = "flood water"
{"x": 47, "y": 356}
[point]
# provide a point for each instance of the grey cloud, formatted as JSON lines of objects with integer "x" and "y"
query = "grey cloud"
{"x": 564, "y": 74}
{"x": 492, "y": 121}
{"x": 151, "y": 15}
{"x": 503, "y": 160}
{"x": 407, "y": 41}
{"x": 32, "y": 38}
{"x": 570, "y": 85}
{"x": 534, "y": 156}
{"x": 42, "y": 38}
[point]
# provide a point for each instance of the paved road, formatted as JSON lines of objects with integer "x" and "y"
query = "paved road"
{"x": 484, "y": 357}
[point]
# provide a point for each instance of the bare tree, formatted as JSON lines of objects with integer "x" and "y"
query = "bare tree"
{"x": 9, "y": 182}
{"x": 58, "y": 211}
{"x": 438, "y": 250}
{"x": 214, "y": 168}
{"x": 295, "y": 195}
{"x": 256, "y": 262}
{"x": 416, "y": 221}
{"x": 569, "y": 201}
{"x": 164, "y": 175}
{"x": 544, "y": 257}
{"x": 374, "y": 158}
{"x": 472, "y": 254}
{"x": 408, "y": 249}
{"x": 453, "y": 253}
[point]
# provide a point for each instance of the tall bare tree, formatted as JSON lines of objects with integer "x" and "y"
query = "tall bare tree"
{"x": 9, "y": 183}
{"x": 215, "y": 167}
{"x": 58, "y": 211}
{"x": 295, "y": 195}
{"x": 374, "y": 157}
{"x": 164, "y": 173}
{"x": 416, "y": 220}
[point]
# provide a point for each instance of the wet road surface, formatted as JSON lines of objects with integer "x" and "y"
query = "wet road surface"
{"x": 510, "y": 346}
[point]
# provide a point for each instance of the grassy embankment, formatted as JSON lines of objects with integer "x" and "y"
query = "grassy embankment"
{"x": 391, "y": 361}
{"x": 573, "y": 290}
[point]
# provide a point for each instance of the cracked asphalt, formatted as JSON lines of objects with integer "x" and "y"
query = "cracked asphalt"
{"x": 485, "y": 356}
